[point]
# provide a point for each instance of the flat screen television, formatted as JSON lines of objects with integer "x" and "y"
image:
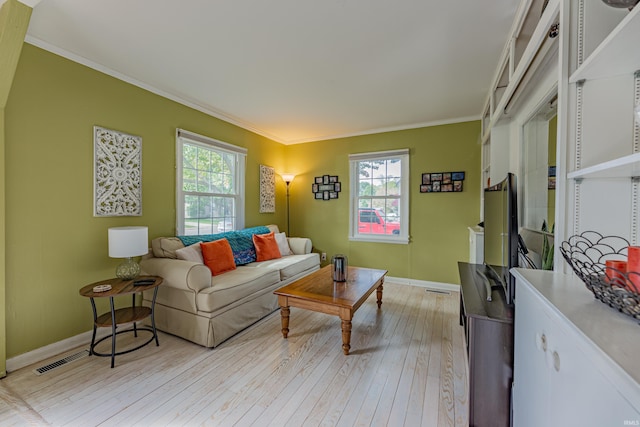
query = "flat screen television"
{"x": 501, "y": 233}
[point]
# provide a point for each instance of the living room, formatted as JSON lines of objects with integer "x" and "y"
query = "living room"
{"x": 53, "y": 245}
{"x": 49, "y": 153}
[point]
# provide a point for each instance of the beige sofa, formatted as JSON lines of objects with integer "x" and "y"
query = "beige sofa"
{"x": 206, "y": 309}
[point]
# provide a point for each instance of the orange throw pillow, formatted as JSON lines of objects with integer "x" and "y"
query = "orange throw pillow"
{"x": 266, "y": 246}
{"x": 218, "y": 256}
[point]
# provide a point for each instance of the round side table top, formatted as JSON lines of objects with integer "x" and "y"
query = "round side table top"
{"x": 119, "y": 287}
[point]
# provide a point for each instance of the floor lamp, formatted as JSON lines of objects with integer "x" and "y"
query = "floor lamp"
{"x": 287, "y": 178}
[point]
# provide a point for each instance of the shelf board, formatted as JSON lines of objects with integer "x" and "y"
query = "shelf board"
{"x": 619, "y": 52}
{"x": 627, "y": 166}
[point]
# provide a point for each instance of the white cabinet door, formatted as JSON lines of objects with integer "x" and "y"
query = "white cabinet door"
{"x": 558, "y": 374}
{"x": 530, "y": 373}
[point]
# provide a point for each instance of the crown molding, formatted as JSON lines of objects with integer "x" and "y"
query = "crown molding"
{"x": 30, "y": 3}
{"x": 388, "y": 129}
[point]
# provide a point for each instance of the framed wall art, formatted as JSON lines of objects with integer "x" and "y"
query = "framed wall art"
{"x": 326, "y": 187}
{"x": 267, "y": 189}
{"x": 442, "y": 182}
{"x": 117, "y": 167}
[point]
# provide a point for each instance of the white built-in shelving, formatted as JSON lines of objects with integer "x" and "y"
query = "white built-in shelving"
{"x": 526, "y": 48}
{"x": 622, "y": 167}
{"x": 616, "y": 55}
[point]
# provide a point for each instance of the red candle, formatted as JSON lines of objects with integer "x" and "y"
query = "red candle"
{"x": 633, "y": 267}
{"x": 614, "y": 272}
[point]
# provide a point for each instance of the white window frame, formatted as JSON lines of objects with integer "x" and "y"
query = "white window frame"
{"x": 354, "y": 159}
{"x": 184, "y": 136}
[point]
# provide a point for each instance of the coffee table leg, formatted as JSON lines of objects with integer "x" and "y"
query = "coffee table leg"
{"x": 284, "y": 313}
{"x": 346, "y": 336}
{"x": 379, "y": 295}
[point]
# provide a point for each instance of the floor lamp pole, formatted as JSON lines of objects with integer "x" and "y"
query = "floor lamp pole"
{"x": 288, "y": 232}
{"x": 287, "y": 178}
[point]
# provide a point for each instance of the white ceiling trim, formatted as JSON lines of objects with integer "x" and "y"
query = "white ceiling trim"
{"x": 108, "y": 71}
{"x": 30, "y": 3}
{"x": 391, "y": 129}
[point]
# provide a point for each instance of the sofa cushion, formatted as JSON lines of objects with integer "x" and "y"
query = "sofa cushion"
{"x": 233, "y": 286}
{"x": 218, "y": 256}
{"x": 266, "y": 247}
{"x": 165, "y": 247}
{"x": 283, "y": 244}
{"x": 191, "y": 253}
{"x": 288, "y": 266}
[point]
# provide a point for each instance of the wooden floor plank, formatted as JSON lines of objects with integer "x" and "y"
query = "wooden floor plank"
{"x": 407, "y": 366}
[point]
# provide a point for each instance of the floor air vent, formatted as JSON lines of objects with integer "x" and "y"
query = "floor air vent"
{"x": 438, "y": 291}
{"x": 72, "y": 357}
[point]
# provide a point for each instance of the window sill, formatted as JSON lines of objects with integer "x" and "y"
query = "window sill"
{"x": 398, "y": 240}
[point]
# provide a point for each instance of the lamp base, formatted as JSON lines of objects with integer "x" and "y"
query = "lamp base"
{"x": 128, "y": 270}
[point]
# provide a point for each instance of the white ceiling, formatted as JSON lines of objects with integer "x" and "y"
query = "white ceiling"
{"x": 293, "y": 70}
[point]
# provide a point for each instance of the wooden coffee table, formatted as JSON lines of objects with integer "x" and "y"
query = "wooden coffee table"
{"x": 318, "y": 292}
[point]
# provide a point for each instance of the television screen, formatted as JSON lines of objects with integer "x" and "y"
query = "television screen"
{"x": 501, "y": 232}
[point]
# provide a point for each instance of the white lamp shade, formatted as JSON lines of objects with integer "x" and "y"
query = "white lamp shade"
{"x": 287, "y": 177}
{"x": 125, "y": 242}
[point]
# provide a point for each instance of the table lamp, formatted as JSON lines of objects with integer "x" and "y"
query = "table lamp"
{"x": 127, "y": 242}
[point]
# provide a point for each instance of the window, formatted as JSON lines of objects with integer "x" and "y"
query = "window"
{"x": 209, "y": 185}
{"x": 379, "y": 196}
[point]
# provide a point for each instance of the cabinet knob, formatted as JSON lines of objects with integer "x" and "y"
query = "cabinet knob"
{"x": 556, "y": 361}
{"x": 541, "y": 342}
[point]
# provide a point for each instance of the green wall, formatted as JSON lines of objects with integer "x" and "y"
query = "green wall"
{"x": 14, "y": 21}
{"x": 438, "y": 221}
{"x": 54, "y": 243}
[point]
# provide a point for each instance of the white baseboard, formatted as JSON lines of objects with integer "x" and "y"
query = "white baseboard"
{"x": 42, "y": 353}
{"x": 84, "y": 338}
{"x": 424, "y": 284}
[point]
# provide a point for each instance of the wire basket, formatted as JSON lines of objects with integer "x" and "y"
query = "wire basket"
{"x": 587, "y": 254}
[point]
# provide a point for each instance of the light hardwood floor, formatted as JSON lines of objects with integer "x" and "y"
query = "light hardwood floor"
{"x": 407, "y": 367}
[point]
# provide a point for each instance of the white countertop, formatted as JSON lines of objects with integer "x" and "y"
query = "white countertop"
{"x": 616, "y": 335}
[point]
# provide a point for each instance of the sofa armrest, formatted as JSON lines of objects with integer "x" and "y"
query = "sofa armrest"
{"x": 300, "y": 245}
{"x": 179, "y": 274}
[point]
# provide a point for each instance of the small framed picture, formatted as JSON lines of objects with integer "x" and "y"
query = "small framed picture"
{"x": 318, "y": 195}
{"x": 435, "y": 187}
{"x": 333, "y": 178}
{"x": 333, "y": 194}
{"x": 325, "y": 195}
{"x": 457, "y": 186}
{"x": 337, "y": 186}
{"x": 446, "y": 188}
{"x": 436, "y": 177}
{"x": 552, "y": 171}
{"x": 552, "y": 183}
{"x": 314, "y": 188}
{"x": 446, "y": 178}
{"x": 426, "y": 178}
{"x": 318, "y": 180}
{"x": 425, "y": 188}
{"x": 457, "y": 176}
{"x": 325, "y": 179}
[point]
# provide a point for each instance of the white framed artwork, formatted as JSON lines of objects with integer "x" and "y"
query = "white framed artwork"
{"x": 267, "y": 189}
{"x": 117, "y": 166}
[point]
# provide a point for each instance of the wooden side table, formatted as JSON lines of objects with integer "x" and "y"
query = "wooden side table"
{"x": 115, "y": 317}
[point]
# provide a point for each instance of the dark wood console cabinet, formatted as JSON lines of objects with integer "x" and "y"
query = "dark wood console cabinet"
{"x": 488, "y": 326}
